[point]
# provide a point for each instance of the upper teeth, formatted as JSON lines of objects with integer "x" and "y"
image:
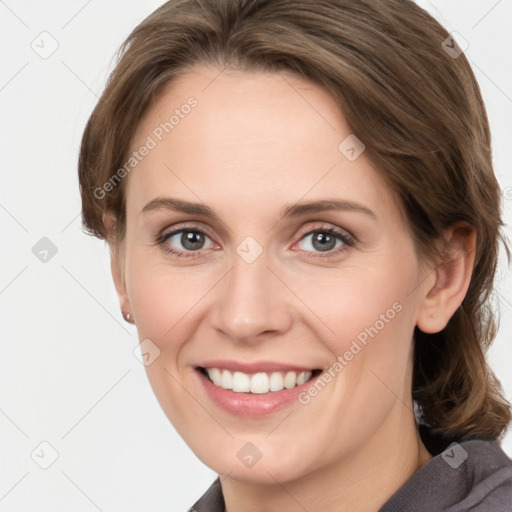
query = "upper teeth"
{"x": 257, "y": 382}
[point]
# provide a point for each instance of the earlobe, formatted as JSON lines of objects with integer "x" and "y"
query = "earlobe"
{"x": 452, "y": 278}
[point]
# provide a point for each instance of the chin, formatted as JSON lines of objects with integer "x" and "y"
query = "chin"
{"x": 256, "y": 461}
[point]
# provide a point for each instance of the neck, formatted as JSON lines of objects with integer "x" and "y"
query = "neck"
{"x": 363, "y": 480}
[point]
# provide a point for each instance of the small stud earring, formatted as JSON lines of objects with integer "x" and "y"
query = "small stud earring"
{"x": 128, "y": 317}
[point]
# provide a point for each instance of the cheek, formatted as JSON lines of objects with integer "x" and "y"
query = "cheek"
{"x": 363, "y": 304}
{"x": 367, "y": 322}
{"x": 163, "y": 299}
{"x": 166, "y": 302}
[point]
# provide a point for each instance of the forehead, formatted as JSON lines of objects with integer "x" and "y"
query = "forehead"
{"x": 257, "y": 136}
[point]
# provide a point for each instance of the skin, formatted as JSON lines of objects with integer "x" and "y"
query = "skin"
{"x": 255, "y": 143}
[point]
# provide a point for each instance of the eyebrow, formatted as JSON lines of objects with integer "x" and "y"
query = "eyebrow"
{"x": 293, "y": 210}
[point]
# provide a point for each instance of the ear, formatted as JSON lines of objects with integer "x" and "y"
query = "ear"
{"x": 116, "y": 262}
{"x": 452, "y": 278}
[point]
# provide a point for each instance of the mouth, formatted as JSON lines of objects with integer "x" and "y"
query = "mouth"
{"x": 258, "y": 383}
{"x": 254, "y": 389}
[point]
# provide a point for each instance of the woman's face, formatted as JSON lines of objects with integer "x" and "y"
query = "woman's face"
{"x": 262, "y": 252}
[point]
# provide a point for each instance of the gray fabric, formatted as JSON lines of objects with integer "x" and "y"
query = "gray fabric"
{"x": 480, "y": 483}
{"x": 473, "y": 476}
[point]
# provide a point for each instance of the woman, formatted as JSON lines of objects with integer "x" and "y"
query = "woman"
{"x": 304, "y": 226}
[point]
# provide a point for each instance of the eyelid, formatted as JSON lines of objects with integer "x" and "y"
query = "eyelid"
{"x": 322, "y": 226}
{"x": 346, "y": 238}
{"x": 344, "y": 235}
{"x": 168, "y": 232}
{"x": 177, "y": 228}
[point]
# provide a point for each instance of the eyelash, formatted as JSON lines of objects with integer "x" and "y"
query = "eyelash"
{"x": 347, "y": 239}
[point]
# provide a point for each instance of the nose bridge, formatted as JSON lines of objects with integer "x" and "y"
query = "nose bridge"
{"x": 250, "y": 301}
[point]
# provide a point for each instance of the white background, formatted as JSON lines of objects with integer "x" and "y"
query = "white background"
{"x": 67, "y": 372}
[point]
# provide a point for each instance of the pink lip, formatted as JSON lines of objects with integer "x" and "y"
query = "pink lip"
{"x": 252, "y": 405}
{"x": 254, "y": 366}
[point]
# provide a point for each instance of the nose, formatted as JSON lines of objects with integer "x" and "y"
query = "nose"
{"x": 251, "y": 303}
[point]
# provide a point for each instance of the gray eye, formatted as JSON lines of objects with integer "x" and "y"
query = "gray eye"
{"x": 189, "y": 240}
{"x": 320, "y": 241}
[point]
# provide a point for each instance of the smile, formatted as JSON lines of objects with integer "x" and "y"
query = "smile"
{"x": 257, "y": 383}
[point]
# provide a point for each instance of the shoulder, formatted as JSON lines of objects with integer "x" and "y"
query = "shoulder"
{"x": 471, "y": 476}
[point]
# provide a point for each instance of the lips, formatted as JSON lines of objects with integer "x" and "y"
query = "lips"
{"x": 254, "y": 389}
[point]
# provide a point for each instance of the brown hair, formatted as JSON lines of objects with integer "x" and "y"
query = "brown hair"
{"x": 416, "y": 106}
